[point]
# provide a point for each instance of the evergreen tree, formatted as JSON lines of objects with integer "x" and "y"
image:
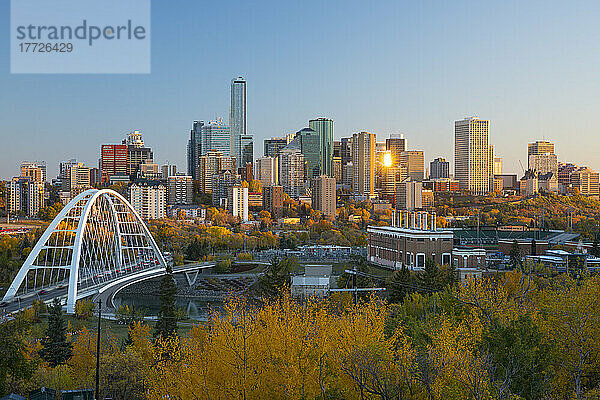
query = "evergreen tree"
{"x": 277, "y": 276}
{"x": 430, "y": 277}
{"x": 166, "y": 325}
{"x": 398, "y": 285}
{"x": 595, "y": 250}
{"x": 515, "y": 255}
{"x": 55, "y": 348}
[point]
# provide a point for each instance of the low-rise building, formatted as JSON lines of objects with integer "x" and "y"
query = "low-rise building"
{"x": 411, "y": 240}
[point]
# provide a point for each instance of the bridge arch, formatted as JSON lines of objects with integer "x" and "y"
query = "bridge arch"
{"x": 96, "y": 238}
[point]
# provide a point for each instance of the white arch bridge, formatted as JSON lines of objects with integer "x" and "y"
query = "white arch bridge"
{"x": 96, "y": 239}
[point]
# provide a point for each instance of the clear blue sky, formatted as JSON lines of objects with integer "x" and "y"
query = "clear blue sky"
{"x": 530, "y": 67}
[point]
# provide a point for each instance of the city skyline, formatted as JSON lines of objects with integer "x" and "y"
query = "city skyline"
{"x": 541, "y": 89}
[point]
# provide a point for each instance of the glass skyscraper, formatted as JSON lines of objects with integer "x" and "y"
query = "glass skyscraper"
{"x": 237, "y": 117}
{"x": 324, "y": 127}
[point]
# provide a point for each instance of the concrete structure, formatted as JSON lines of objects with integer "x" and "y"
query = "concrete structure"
{"x": 291, "y": 172}
{"x": 472, "y": 155}
{"x": 204, "y": 138}
{"x": 35, "y": 169}
{"x": 148, "y": 199}
{"x": 273, "y": 200}
{"x": 396, "y": 144}
{"x": 213, "y": 162}
{"x": 221, "y": 183}
{"x": 324, "y": 195}
{"x": 273, "y": 146}
{"x": 409, "y": 195}
{"x": 237, "y": 202}
{"x": 363, "y": 161}
{"x": 411, "y": 240}
{"x": 108, "y": 241}
{"x": 314, "y": 283}
{"x": 439, "y": 169}
{"x": 137, "y": 154}
{"x": 414, "y": 161}
{"x": 180, "y": 189}
{"x": 498, "y": 166}
{"x": 168, "y": 170}
{"x": 113, "y": 160}
{"x": 25, "y": 195}
{"x": 265, "y": 170}
{"x": 186, "y": 210}
{"x": 540, "y": 147}
{"x": 324, "y": 128}
{"x": 309, "y": 143}
{"x": 585, "y": 180}
{"x": 76, "y": 179}
{"x": 441, "y": 185}
{"x": 237, "y": 119}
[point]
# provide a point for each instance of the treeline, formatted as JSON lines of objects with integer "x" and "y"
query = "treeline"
{"x": 513, "y": 336}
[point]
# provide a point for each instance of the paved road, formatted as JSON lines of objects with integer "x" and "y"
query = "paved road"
{"x": 104, "y": 291}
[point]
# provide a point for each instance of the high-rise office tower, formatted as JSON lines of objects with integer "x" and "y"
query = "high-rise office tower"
{"x": 265, "y": 170}
{"x": 497, "y": 165}
{"x": 396, "y": 144}
{"x": 439, "y": 168}
{"x": 308, "y": 142}
{"x": 291, "y": 171}
{"x": 114, "y": 159}
{"x": 137, "y": 154}
{"x": 76, "y": 179}
{"x": 324, "y": 195}
{"x": 273, "y": 146}
{"x": 363, "y": 161}
{"x": 35, "y": 169}
{"x": 204, "y": 137}
{"x": 221, "y": 182}
{"x": 213, "y": 162}
{"x": 324, "y": 127}
{"x": 346, "y": 150}
{"x": 544, "y": 163}
{"x": 168, "y": 170}
{"x": 247, "y": 155}
{"x": 414, "y": 161}
{"x": 471, "y": 155}
{"x": 538, "y": 148}
{"x": 237, "y": 117}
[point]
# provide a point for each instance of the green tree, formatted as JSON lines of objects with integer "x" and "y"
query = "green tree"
{"x": 430, "y": 278}
{"x": 277, "y": 276}
{"x": 166, "y": 325}
{"x": 595, "y": 250}
{"x": 13, "y": 363}
{"x": 399, "y": 285}
{"x": 55, "y": 348}
{"x": 520, "y": 360}
{"x": 515, "y": 254}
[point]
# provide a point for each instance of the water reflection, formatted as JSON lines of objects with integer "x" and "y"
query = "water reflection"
{"x": 196, "y": 308}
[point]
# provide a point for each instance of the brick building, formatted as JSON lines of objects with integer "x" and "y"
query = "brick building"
{"x": 411, "y": 240}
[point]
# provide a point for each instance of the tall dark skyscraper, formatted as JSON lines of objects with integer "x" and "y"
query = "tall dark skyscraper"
{"x": 439, "y": 168}
{"x": 237, "y": 117}
{"x": 324, "y": 127}
{"x": 396, "y": 144}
